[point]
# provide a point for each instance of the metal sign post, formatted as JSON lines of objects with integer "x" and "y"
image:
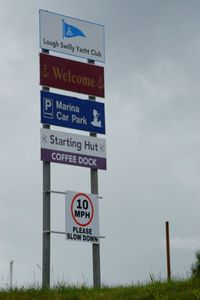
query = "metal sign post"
{"x": 95, "y": 247}
{"x": 57, "y": 33}
{"x": 46, "y": 215}
{"x": 168, "y": 251}
{"x": 94, "y": 190}
{"x": 11, "y": 273}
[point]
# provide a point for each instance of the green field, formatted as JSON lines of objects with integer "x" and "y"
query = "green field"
{"x": 176, "y": 290}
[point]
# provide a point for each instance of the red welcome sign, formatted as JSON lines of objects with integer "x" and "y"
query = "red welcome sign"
{"x": 71, "y": 75}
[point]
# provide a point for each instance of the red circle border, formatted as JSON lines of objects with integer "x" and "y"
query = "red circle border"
{"x": 82, "y": 194}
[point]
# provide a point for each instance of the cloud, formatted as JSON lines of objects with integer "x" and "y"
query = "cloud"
{"x": 152, "y": 123}
{"x": 182, "y": 243}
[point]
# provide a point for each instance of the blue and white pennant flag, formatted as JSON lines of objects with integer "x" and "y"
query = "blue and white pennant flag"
{"x": 70, "y": 31}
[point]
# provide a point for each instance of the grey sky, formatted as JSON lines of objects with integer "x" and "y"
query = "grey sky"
{"x": 152, "y": 73}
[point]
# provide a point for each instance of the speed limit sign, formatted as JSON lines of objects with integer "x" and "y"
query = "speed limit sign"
{"x": 82, "y": 217}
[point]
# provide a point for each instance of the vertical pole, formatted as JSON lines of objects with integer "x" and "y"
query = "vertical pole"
{"x": 95, "y": 247}
{"x": 46, "y": 216}
{"x": 94, "y": 190}
{"x": 168, "y": 251}
{"x": 11, "y": 273}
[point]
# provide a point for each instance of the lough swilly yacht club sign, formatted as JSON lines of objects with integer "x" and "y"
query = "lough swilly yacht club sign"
{"x": 71, "y": 36}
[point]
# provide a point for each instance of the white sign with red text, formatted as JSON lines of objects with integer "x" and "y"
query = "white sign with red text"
{"x": 82, "y": 217}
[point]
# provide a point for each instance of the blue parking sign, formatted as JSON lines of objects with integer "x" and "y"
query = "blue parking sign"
{"x": 71, "y": 112}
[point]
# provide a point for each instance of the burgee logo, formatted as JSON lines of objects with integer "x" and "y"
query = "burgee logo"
{"x": 70, "y": 31}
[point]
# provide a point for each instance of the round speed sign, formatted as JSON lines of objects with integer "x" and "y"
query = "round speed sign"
{"x": 82, "y": 209}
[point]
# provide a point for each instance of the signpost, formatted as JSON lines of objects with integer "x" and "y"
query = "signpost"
{"x": 71, "y": 36}
{"x": 73, "y": 149}
{"x": 46, "y": 239}
{"x": 82, "y": 217}
{"x": 70, "y": 112}
{"x": 71, "y": 75}
{"x": 86, "y": 40}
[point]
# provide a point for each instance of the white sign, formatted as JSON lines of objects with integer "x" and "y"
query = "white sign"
{"x": 71, "y": 36}
{"x": 73, "y": 149}
{"x": 82, "y": 217}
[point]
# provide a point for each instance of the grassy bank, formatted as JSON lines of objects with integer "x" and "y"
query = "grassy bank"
{"x": 174, "y": 290}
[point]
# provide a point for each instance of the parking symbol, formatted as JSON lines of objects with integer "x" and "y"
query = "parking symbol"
{"x": 48, "y": 108}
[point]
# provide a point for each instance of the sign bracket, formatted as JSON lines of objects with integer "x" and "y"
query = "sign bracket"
{"x": 62, "y": 232}
{"x": 64, "y": 193}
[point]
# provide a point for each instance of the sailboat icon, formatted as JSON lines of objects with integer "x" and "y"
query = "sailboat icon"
{"x": 96, "y": 122}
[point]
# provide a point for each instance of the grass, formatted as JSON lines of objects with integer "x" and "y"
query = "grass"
{"x": 173, "y": 290}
